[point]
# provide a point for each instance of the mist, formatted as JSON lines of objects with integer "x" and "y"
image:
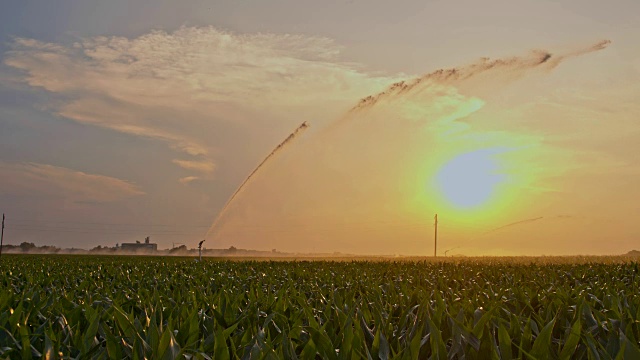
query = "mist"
{"x": 371, "y": 181}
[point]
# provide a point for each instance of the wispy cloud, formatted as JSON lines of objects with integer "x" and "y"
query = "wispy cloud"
{"x": 172, "y": 86}
{"x": 200, "y": 166}
{"x": 188, "y": 179}
{"x": 32, "y": 179}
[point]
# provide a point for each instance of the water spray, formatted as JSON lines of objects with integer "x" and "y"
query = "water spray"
{"x": 514, "y": 224}
{"x": 537, "y": 59}
{"x": 277, "y": 149}
{"x": 367, "y": 161}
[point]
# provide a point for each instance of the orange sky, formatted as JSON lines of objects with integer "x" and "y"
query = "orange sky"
{"x": 470, "y": 145}
{"x": 125, "y": 120}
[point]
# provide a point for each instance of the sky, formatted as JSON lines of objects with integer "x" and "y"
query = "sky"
{"x": 126, "y": 119}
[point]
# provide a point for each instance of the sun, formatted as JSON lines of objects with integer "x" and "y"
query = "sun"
{"x": 469, "y": 180}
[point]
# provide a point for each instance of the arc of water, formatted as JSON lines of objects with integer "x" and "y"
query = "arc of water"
{"x": 277, "y": 149}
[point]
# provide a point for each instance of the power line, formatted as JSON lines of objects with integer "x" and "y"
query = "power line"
{"x": 191, "y": 230}
{"x": 21, "y": 226}
{"x": 106, "y": 231}
{"x": 21, "y": 222}
{"x": 94, "y": 225}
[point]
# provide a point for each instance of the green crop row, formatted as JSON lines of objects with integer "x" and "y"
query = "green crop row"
{"x": 165, "y": 308}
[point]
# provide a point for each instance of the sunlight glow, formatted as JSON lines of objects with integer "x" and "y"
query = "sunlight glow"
{"x": 469, "y": 180}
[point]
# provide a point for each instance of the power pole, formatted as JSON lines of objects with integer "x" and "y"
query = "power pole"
{"x": 2, "y": 235}
{"x": 435, "y": 236}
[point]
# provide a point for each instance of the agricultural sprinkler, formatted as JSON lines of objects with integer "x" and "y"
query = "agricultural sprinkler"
{"x": 200, "y": 249}
{"x": 446, "y": 251}
{"x": 2, "y": 236}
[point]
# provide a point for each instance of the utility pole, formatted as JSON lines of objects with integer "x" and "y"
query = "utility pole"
{"x": 435, "y": 236}
{"x": 2, "y": 235}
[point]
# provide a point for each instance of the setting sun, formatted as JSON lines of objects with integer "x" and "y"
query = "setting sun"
{"x": 469, "y": 180}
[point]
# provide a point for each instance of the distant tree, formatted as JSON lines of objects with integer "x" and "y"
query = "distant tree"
{"x": 25, "y": 246}
{"x": 9, "y": 247}
{"x": 180, "y": 248}
{"x": 232, "y": 249}
{"x": 49, "y": 249}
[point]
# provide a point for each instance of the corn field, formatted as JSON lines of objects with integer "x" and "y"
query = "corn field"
{"x": 102, "y": 307}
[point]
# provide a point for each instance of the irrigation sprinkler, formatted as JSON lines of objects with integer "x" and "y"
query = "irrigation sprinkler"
{"x": 446, "y": 251}
{"x": 2, "y": 236}
{"x": 200, "y": 249}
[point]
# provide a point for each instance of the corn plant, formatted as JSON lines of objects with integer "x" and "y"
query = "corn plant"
{"x": 101, "y": 307}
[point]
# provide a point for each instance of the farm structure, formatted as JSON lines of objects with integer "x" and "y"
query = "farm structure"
{"x": 138, "y": 246}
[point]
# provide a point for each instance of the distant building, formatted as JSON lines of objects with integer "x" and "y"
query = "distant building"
{"x": 138, "y": 246}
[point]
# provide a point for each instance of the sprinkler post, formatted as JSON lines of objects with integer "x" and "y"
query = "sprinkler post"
{"x": 2, "y": 236}
{"x": 200, "y": 249}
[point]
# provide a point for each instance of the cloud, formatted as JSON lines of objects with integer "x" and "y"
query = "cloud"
{"x": 188, "y": 179}
{"x": 200, "y": 166}
{"x": 175, "y": 86}
{"x": 41, "y": 180}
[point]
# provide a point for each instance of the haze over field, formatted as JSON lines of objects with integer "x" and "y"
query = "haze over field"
{"x": 122, "y": 120}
